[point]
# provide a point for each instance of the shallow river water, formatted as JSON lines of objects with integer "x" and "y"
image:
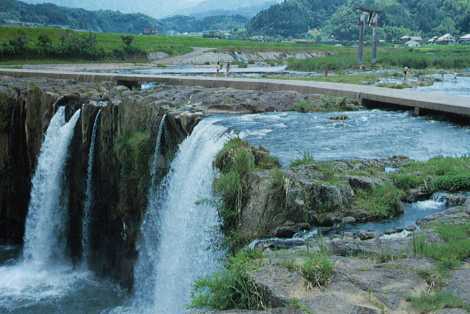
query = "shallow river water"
{"x": 366, "y": 134}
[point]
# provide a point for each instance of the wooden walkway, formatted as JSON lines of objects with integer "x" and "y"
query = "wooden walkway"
{"x": 418, "y": 101}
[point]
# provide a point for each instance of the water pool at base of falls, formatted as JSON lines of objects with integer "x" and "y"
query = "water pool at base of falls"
{"x": 26, "y": 288}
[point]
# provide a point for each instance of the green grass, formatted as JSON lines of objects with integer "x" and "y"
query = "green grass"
{"x": 318, "y": 269}
{"x": 449, "y": 253}
{"x": 306, "y": 159}
{"x": 435, "y": 56}
{"x": 437, "y": 174}
{"x": 232, "y": 287}
{"x": 173, "y": 45}
{"x": 382, "y": 202}
{"x": 427, "y": 303}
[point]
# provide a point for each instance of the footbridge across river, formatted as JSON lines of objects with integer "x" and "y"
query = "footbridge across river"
{"x": 420, "y": 102}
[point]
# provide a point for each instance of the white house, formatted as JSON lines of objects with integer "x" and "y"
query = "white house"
{"x": 465, "y": 39}
{"x": 445, "y": 39}
{"x": 412, "y": 44}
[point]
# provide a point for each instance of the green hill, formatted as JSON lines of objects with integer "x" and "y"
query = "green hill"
{"x": 12, "y": 11}
{"x": 338, "y": 18}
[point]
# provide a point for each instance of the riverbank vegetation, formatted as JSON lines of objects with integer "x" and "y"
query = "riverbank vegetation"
{"x": 434, "y": 56}
{"x": 438, "y": 174}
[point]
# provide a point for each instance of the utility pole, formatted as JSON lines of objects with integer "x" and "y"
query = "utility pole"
{"x": 360, "y": 46}
{"x": 368, "y": 17}
{"x": 375, "y": 40}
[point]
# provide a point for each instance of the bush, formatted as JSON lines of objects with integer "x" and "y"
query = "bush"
{"x": 232, "y": 287}
{"x": 318, "y": 269}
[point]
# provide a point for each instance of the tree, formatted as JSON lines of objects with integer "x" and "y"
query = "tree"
{"x": 127, "y": 40}
{"x": 44, "y": 43}
{"x": 19, "y": 43}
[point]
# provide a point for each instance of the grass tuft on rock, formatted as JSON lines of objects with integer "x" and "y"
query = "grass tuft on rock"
{"x": 306, "y": 159}
{"x": 318, "y": 269}
{"x": 232, "y": 287}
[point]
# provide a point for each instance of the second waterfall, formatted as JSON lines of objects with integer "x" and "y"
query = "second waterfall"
{"x": 181, "y": 226}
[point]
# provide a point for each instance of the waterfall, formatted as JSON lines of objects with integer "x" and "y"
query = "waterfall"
{"x": 181, "y": 226}
{"x": 44, "y": 239}
{"x": 143, "y": 274}
{"x": 89, "y": 194}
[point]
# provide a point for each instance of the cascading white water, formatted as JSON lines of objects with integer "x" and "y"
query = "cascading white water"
{"x": 181, "y": 227}
{"x": 89, "y": 194}
{"x": 44, "y": 239}
{"x": 144, "y": 269}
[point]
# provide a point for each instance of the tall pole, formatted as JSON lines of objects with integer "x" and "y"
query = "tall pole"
{"x": 375, "y": 42}
{"x": 360, "y": 46}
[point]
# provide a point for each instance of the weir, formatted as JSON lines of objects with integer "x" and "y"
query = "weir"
{"x": 433, "y": 102}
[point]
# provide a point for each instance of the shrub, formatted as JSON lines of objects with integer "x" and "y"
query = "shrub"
{"x": 318, "y": 269}
{"x": 232, "y": 287}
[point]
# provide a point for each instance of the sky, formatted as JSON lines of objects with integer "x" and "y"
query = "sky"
{"x": 155, "y": 8}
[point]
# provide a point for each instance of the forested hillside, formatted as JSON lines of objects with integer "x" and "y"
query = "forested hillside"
{"x": 338, "y": 18}
{"x": 12, "y": 11}
{"x": 50, "y": 14}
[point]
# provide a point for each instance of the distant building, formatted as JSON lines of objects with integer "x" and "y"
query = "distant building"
{"x": 465, "y": 39}
{"x": 432, "y": 40}
{"x": 413, "y": 44}
{"x": 445, "y": 39}
{"x": 407, "y": 38}
{"x": 150, "y": 31}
